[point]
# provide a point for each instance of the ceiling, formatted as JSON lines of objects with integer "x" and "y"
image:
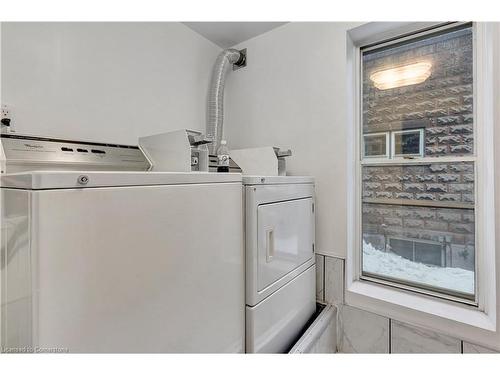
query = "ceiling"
{"x": 228, "y": 34}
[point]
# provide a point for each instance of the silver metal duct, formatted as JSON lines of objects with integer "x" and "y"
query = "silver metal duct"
{"x": 215, "y": 114}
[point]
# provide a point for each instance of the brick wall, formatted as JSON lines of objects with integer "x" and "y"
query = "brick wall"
{"x": 443, "y": 107}
{"x": 447, "y": 182}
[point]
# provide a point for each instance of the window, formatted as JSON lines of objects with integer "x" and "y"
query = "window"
{"x": 418, "y": 164}
{"x": 408, "y": 143}
{"x": 404, "y": 143}
{"x": 426, "y": 252}
{"x": 376, "y": 145}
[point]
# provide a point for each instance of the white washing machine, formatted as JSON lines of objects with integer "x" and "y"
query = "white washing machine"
{"x": 280, "y": 261}
{"x": 100, "y": 256}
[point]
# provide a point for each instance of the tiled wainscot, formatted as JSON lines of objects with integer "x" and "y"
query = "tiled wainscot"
{"x": 360, "y": 331}
{"x": 409, "y": 339}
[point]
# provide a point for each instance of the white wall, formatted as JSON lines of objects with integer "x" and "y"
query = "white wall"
{"x": 293, "y": 93}
{"x": 1, "y": 158}
{"x": 0, "y": 62}
{"x": 496, "y": 199}
{"x": 110, "y": 82}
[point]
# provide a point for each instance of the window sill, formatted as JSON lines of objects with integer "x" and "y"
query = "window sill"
{"x": 417, "y": 309}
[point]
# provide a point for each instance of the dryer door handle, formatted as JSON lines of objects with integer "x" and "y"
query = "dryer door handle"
{"x": 269, "y": 245}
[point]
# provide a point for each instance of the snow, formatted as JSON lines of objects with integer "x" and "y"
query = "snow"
{"x": 392, "y": 265}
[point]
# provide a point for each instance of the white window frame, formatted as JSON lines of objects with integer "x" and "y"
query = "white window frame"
{"x": 469, "y": 322}
{"x": 420, "y": 147}
{"x": 387, "y": 147}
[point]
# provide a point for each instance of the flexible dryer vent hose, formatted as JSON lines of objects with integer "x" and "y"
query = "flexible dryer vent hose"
{"x": 215, "y": 112}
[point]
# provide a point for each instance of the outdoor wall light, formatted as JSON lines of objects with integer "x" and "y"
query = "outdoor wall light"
{"x": 401, "y": 76}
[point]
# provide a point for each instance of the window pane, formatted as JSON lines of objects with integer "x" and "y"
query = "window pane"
{"x": 407, "y": 143}
{"x": 418, "y": 221}
{"x": 403, "y": 248}
{"x": 376, "y": 145}
{"x": 418, "y": 225}
{"x": 425, "y": 84}
{"x": 428, "y": 253}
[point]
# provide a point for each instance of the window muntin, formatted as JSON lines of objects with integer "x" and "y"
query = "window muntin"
{"x": 430, "y": 200}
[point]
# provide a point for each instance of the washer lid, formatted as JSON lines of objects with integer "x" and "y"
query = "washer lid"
{"x": 275, "y": 180}
{"x": 40, "y": 180}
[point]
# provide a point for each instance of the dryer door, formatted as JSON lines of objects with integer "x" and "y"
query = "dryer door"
{"x": 285, "y": 238}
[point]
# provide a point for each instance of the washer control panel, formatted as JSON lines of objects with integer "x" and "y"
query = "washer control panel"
{"x": 27, "y": 153}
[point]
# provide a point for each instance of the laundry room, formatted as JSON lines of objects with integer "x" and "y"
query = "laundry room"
{"x": 209, "y": 185}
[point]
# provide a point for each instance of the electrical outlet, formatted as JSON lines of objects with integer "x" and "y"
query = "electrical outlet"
{"x": 6, "y": 113}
